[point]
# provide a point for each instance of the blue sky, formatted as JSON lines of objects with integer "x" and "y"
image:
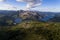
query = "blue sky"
{"x": 47, "y": 5}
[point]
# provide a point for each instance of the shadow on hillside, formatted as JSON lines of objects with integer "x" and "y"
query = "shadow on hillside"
{"x": 29, "y": 34}
{"x": 12, "y": 35}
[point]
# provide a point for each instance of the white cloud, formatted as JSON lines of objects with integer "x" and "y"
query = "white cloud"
{"x": 31, "y": 3}
{"x": 7, "y": 7}
{"x": 2, "y": 0}
{"x": 50, "y": 9}
{"x": 47, "y": 9}
{"x": 19, "y": 0}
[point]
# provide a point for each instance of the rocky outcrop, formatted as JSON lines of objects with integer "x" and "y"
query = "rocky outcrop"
{"x": 29, "y": 15}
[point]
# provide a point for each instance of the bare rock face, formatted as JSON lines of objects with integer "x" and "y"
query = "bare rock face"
{"x": 36, "y": 15}
{"x": 28, "y": 15}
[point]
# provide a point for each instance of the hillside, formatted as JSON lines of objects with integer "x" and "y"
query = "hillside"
{"x": 29, "y": 25}
{"x": 32, "y": 30}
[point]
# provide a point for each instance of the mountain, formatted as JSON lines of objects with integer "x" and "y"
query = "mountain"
{"x": 36, "y": 15}
{"x": 7, "y": 12}
{"x": 21, "y": 15}
{"x": 56, "y": 18}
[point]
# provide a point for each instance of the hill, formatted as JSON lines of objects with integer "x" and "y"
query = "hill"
{"x": 32, "y": 30}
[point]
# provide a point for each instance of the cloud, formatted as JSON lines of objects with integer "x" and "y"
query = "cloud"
{"x": 31, "y": 3}
{"x": 2, "y": 0}
{"x": 19, "y": 0}
{"x": 49, "y": 9}
{"x": 7, "y": 7}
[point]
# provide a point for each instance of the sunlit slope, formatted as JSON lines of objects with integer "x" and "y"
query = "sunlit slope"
{"x": 30, "y": 24}
{"x": 40, "y": 30}
{"x": 32, "y": 30}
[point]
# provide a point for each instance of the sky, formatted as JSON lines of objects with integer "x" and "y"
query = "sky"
{"x": 46, "y": 5}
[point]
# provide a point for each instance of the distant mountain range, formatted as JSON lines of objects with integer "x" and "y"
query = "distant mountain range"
{"x": 40, "y": 16}
{"x": 31, "y": 15}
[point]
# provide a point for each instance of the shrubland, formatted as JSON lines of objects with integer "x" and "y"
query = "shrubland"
{"x": 31, "y": 30}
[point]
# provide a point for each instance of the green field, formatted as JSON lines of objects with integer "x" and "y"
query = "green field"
{"x": 32, "y": 30}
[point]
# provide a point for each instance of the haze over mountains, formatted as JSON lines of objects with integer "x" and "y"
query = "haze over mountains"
{"x": 20, "y": 15}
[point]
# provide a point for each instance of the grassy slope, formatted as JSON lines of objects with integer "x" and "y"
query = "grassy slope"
{"x": 32, "y": 30}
